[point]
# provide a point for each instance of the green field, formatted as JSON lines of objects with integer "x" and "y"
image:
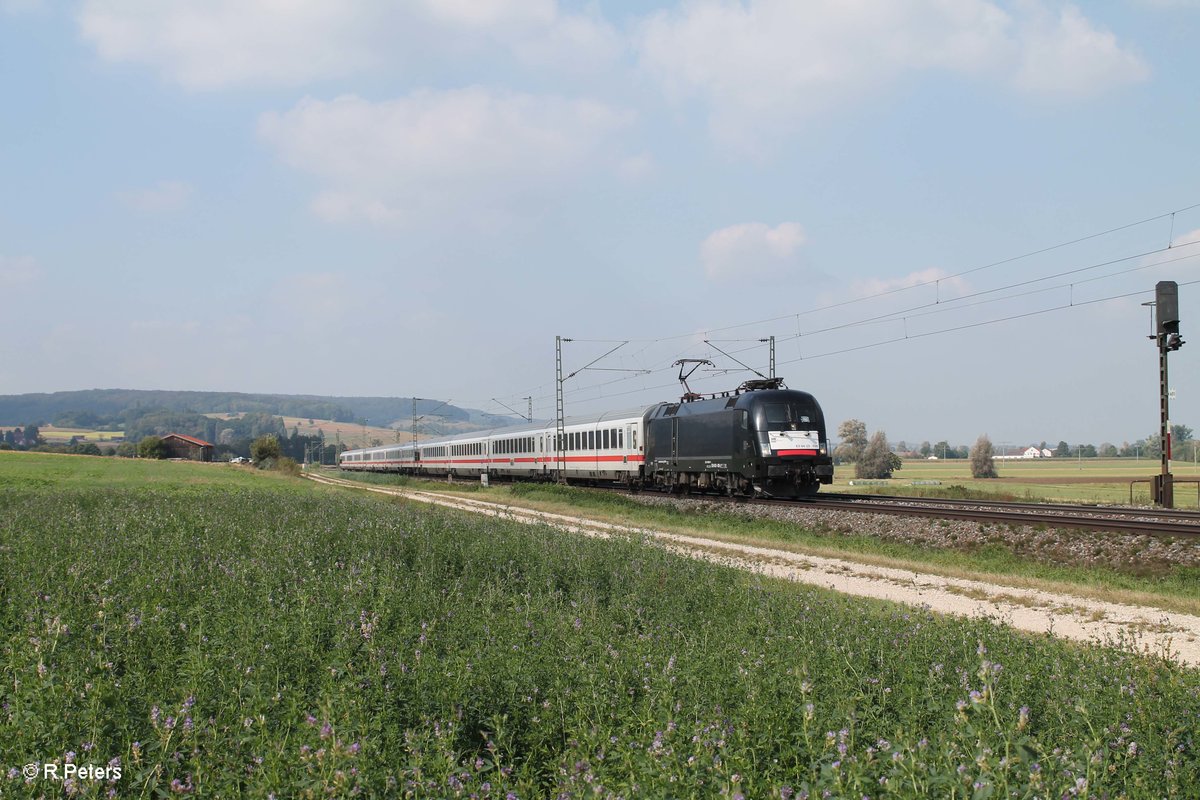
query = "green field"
{"x": 1114, "y": 570}
{"x": 220, "y": 632}
{"x": 1089, "y": 480}
{"x": 55, "y": 435}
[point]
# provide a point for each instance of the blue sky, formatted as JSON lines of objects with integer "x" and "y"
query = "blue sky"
{"x": 415, "y": 198}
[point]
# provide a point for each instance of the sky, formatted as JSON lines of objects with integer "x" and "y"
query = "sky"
{"x": 948, "y": 213}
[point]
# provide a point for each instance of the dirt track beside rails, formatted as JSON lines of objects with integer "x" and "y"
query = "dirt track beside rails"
{"x": 1152, "y": 630}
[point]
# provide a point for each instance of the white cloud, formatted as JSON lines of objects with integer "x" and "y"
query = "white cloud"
{"x": 490, "y": 13}
{"x": 1064, "y": 55}
{"x": 165, "y": 196}
{"x": 225, "y": 42}
{"x": 578, "y": 44}
{"x": 776, "y": 63}
{"x": 438, "y": 152}
{"x": 1190, "y": 237}
{"x": 751, "y": 249}
{"x": 221, "y": 43}
{"x": 947, "y": 287}
{"x": 18, "y": 273}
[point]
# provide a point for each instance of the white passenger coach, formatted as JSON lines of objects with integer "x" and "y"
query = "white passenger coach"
{"x": 606, "y": 447}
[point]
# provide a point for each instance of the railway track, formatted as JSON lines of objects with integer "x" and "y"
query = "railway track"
{"x": 1154, "y": 522}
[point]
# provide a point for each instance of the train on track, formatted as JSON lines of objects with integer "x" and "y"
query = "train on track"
{"x": 761, "y": 439}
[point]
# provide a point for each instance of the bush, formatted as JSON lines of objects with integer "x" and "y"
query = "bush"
{"x": 265, "y": 448}
{"x": 288, "y": 465}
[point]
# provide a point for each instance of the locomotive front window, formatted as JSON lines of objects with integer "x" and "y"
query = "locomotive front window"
{"x": 786, "y": 417}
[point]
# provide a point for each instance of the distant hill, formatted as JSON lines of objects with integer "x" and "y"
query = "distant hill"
{"x": 107, "y": 404}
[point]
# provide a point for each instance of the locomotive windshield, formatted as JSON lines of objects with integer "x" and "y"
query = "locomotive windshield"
{"x": 789, "y": 416}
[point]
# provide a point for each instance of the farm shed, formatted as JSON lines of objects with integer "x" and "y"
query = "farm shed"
{"x": 187, "y": 447}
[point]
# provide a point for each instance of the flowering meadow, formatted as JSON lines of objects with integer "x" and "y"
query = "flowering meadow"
{"x": 289, "y": 641}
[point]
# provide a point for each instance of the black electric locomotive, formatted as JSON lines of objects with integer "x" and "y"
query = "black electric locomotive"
{"x": 762, "y": 440}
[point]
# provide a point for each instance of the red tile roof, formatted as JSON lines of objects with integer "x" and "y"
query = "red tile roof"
{"x": 190, "y": 439}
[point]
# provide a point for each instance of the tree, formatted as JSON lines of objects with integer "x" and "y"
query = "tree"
{"x": 1108, "y": 450}
{"x": 31, "y": 435}
{"x": 1180, "y": 434}
{"x": 1063, "y": 450}
{"x": 983, "y": 464}
{"x": 926, "y": 450}
{"x": 264, "y": 447}
{"x": 152, "y": 447}
{"x": 853, "y": 436}
{"x": 877, "y": 460}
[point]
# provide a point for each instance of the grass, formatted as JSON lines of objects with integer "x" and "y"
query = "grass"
{"x": 252, "y": 636}
{"x": 1089, "y": 480}
{"x": 25, "y": 470}
{"x": 1169, "y": 587}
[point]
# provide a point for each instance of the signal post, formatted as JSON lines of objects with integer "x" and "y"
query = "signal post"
{"x": 1166, "y": 307}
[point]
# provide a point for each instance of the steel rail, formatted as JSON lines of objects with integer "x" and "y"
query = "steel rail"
{"x": 1154, "y": 522}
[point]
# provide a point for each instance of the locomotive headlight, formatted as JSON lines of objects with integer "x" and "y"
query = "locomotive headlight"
{"x": 822, "y": 451}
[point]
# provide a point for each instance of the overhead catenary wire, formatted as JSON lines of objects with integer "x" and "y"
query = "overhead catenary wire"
{"x": 939, "y": 305}
{"x": 926, "y": 334}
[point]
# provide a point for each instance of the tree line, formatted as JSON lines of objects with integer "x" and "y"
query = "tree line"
{"x": 97, "y": 408}
{"x": 875, "y": 457}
